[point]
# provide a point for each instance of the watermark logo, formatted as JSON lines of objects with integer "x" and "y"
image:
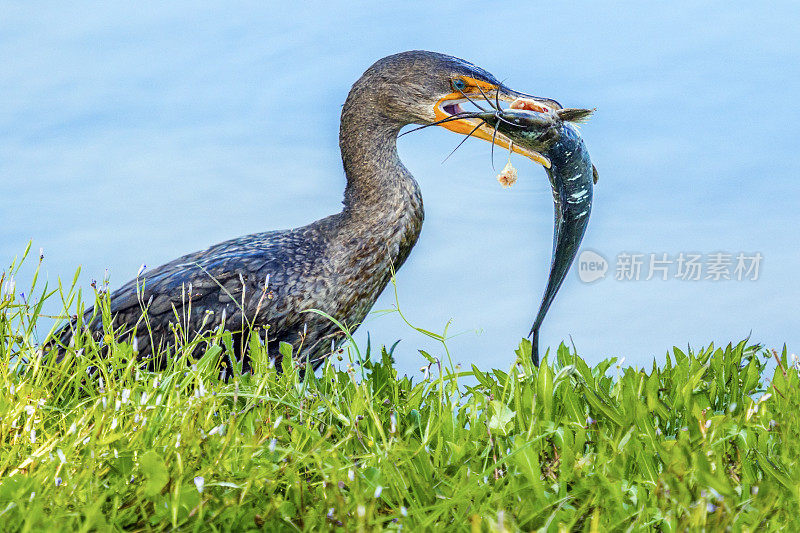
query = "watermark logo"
{"x": 591, "y": 266}
{"x": 662, "y": 266}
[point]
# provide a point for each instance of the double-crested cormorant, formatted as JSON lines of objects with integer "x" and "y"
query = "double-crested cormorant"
{"x": 339, "y": 264}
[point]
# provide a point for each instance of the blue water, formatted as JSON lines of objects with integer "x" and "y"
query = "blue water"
{"x": 132, "y": 135}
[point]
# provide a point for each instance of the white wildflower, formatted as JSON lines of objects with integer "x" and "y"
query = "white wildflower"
{"x": 424, "y": 370}
{"x": 126, "y": 395}
{"x": 378, "y": 491}
{"x": 33, "y": 436}
{"x": 8, "y": 288}
{"x": 361, "y": 510}
{"x": 113, "y": 423}
{"x": 61, "y": 456}
{"x": 72, "y": 429}
{"x": 200, "y": 483}
{"x": 272, "y": 444}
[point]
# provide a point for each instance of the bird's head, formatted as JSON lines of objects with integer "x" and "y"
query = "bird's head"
{"x": 428, "y": 88}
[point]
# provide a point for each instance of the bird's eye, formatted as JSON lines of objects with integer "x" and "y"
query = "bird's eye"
{"x": 459, "y": 84}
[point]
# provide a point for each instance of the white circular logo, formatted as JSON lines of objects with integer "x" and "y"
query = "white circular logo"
{"x": 591, "y": 266}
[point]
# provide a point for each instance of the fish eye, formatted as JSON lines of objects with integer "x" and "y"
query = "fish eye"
{"x": 459, "y": 84}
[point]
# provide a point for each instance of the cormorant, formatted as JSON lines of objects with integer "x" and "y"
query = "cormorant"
{"x": 339, "y": 264}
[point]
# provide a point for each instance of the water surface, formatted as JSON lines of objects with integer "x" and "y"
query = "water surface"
{"x": 132, "y": 136}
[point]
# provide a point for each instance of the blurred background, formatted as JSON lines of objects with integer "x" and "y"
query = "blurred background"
{"x": 133, "y": 134}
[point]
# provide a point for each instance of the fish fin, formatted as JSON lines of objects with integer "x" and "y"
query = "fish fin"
{"x": 574, "y": 115}
{"x": 595, "y": 175}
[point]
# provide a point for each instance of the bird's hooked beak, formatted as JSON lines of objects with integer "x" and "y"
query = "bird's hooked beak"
{"x": 486, "y": 95}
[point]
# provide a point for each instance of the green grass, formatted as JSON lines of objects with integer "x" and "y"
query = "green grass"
{"x": 708, "y": 439}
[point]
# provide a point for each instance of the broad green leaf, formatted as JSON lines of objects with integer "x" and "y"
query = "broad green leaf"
{"x": 501, "y": 417}
{"x": 154, "y": 471}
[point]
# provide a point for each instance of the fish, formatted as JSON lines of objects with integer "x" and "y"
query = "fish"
{"x": 572, "y": 176}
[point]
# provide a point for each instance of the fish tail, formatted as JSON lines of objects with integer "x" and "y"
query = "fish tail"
{"x": 535, "y": 346}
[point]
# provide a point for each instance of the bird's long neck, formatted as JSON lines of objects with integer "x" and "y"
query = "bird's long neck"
{"x": 382, "y": 203}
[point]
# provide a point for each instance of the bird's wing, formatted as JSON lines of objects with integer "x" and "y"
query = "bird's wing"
{"x": 194, "y": 290}
{"x": 197, "y": 291}
{"x": 230, "y": 282}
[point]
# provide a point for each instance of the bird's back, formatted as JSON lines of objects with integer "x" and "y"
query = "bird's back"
{"x": 251, "y": 282}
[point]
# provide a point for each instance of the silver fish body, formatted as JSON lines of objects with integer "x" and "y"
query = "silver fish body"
{"x": 571, "y": 177}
